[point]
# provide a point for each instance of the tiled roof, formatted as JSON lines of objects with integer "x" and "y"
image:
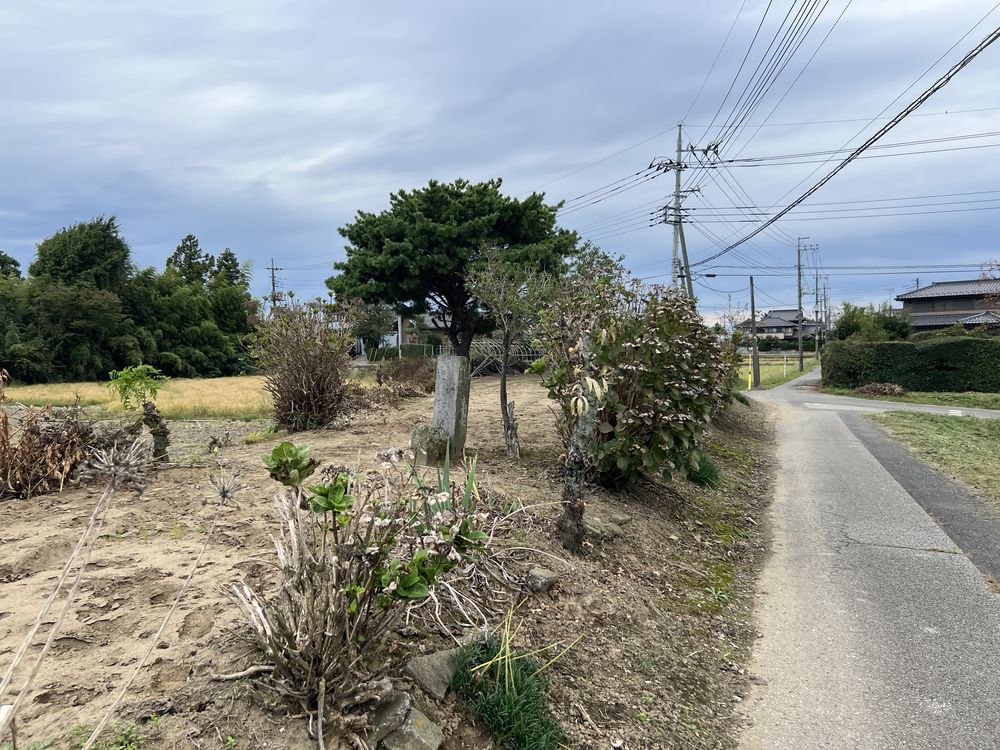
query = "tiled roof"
{"x": 964, "y": 288}
{"x": 987, "y": 316}
{"x": 926, "y": 320}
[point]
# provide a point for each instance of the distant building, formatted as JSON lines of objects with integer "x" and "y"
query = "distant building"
{"x": 969, "y": 303}
{"x": 781, "y": 324}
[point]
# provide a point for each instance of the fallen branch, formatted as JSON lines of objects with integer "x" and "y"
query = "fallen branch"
{"x": 248, "y": 672}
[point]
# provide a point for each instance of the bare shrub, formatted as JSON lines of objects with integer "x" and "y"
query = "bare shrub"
{"x": 40, "y": 450}
{"x": 304, "y": 350}
{"x": 882, "y": 389}
{"x": 408, "y": 377}
{"x": 354, "y": 554}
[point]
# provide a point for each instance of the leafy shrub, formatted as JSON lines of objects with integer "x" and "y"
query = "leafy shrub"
{"x": 507, "y": 691}
{"x": 304, "y": 350}
{"x": 353, "y": 553}
{"x": 135, "y": 386}
{"x": 661, "y": 371}
{"x": 705, "y": 473}
{"x": 870, "y": 324}
{"x": 949, "y": 364}
{"x": 882, "y": 389}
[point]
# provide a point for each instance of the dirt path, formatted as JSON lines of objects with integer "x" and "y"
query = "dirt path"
{"x": 663, "y": 609}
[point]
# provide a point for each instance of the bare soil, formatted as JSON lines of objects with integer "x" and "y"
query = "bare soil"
{"x": 664, "y": 610}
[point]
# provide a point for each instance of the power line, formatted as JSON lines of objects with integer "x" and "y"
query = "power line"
{"x": 739, "y": 70}
{"x": 929, "y": 92}
{"x": 715, "y": 62}
{"x": 794, "y": 81}
{"x": 899, "y": 96}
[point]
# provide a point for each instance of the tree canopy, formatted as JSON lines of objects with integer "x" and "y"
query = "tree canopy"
{"x": 68, "y": 321}
{"x": 8, "y": 265}
{"x": 92, "y": 252}
{"x": 416, "y": 254}
{"x": 870, "y": 324}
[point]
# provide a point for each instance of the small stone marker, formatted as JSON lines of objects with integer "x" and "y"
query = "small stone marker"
{"x": 429, "y": 444}
{"x": 451, "y": 400}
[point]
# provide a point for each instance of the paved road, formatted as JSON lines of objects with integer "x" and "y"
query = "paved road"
{"x": 878, "y": 631}
{"x": 802, "y": 392}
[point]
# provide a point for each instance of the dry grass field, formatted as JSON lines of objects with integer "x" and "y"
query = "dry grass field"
{"x": 240, "y": 397}
{"x": 774, "y": 371}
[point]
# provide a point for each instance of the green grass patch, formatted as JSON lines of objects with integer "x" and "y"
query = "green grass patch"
{"x": 706, "y": 473}
{"x": 773, "y": 373}
{"x": 968, "y": 400}
{"x": 506, "y": 690}
{"x": 967, "y": 447}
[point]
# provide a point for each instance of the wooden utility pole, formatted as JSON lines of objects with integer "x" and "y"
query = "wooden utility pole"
{"x": 754, "y": 357}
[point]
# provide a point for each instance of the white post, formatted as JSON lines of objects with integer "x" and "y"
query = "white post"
{"x": 399, "y": 337}
{"x": 784, "y": 372}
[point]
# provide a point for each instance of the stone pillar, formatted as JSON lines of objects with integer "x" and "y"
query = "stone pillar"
{"x": 451, "y": 400}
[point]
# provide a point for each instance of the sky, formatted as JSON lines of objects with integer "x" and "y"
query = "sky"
{"x": 264, "y": 126}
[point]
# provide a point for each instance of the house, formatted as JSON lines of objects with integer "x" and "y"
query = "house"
{"x": 781, "y": 324}
{"x": 969, "y": 303}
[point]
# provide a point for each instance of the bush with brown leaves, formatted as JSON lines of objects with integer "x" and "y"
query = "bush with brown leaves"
{"x": 40, "y": 450}
{"x": 882, "y": 389}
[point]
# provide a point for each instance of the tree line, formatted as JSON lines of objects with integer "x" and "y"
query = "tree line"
{"x": 85, "y": 309}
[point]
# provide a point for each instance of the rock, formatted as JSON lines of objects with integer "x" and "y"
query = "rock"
{"x": 417, "y": 733}
{"x": 433, "y": 672}
{"x": 600, "y": 529}
{"x": 541, "y": 579}
{"x": 620, "y": 519}
{"x": 390, "y": 714}
{"x": 429, "y": 444}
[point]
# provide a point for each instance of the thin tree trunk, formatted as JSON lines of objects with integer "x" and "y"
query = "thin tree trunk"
{"x": 157, "y": 425}
{"x": 506, "y": 407}
{"x": 570, "y": 527}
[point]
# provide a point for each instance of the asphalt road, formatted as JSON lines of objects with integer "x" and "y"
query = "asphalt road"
{"x": 878, "y": 629}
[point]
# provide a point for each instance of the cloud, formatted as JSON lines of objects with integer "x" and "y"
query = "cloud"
{"x": 264, "y": 125}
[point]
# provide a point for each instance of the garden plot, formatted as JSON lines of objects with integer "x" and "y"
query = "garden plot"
{"x": 660, "y": 596}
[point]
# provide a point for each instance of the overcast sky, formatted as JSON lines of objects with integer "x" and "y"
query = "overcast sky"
{"x": 263, "y": 125}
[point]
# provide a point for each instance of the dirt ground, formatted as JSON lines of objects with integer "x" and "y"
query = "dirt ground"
{"x": 663, "y": 610}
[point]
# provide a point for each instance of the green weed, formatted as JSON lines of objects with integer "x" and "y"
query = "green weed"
{"x": 706, "y": 473}
{"x": 506, "y": 689}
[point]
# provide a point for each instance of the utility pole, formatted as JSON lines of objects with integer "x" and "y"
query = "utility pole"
{"x": 675, "y": 264}
{"x": 274, "y": 284}
{"x": 798, "y": 264}
{"x": 816, "y": 317}
{"x": 754, "y": 358}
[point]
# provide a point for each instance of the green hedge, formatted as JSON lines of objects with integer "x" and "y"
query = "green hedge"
{"x": 948, "y": 364}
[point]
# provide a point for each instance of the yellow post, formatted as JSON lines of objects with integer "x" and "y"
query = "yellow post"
{"x": 749, "y": 381}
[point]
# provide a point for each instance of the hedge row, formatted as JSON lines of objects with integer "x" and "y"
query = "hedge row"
{"x": 951, "y": 364}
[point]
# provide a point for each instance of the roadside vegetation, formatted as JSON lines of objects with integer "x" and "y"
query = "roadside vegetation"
{"x": 966, "y": 447}
{"x": 968, "y": 400}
